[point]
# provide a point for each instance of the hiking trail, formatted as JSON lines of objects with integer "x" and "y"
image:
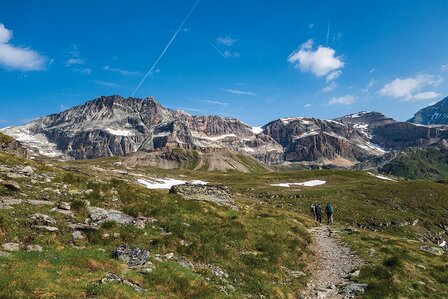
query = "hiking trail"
{"x": 332, "y": 265}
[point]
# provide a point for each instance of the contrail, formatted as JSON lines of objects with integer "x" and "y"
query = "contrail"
{"x": 166, "y": 47}
{"x": 328, "y": 31}
{"x": 216, "y": 48}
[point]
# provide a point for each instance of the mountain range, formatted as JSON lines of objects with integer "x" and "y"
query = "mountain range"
{"x": 148, "y": 133}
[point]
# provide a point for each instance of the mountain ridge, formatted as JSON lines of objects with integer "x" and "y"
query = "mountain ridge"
{"x": 117, "y": 126}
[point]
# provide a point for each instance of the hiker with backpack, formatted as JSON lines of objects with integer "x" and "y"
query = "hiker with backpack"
{"x": 313, "y": 210}
{"x": 329, "y": 210}
{"x": 318, "y": 213}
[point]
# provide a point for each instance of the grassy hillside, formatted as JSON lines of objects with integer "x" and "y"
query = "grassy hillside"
{"x": 263, "y": 248}
{"x": 425, "y": 163}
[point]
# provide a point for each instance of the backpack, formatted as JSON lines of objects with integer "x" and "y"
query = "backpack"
{"x": 329, "y": 208}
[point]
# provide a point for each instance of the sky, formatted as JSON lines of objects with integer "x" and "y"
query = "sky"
{"x": 254, "y": 60}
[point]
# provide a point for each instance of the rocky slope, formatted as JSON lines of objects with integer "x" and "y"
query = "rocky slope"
{"x": 436, "y": 114}
{"x": 11, "y": 146}
{"x": 117, "y": 126}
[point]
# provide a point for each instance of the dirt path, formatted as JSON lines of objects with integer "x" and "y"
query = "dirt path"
{"x": 333, "y": 263}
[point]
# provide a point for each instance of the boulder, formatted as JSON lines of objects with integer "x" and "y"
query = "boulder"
{"x": 27, "y": 171}
{"x": 110, "y": 277}
{"x": 77, "y": 235}
{"x": 11, "y": 185}
{"x": 64, "y": 205}
{"x": 4, "y": 254}
{"x": 46, "y": 228}
{"x": 101, "y": 215}
{"x": 433, "y": 250}
{"x": 133, "y": 256}
{"x": 11, "y": 246}
{"x": 42, "y": 218}
{"x": 354, "y": 288}
{"x": 34, "y": 248}
{"x": 216, "y": 194}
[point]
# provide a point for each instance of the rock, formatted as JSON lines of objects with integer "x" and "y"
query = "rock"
{"x": 146, "y": 268}
{"x": 354, "y": 288}
{"x": 11, "y": 185}
{"x": 77, "y": 235}
{"x": 216, "y": 194}
{"x": 64, "y": 205}
{"x": 83, "y": 226}
{"x": 42, "y": 218}
{"x": 355, "y": 274}
{"x": 28, "y": 171}
{"x": 100, "y": 215}
{"x": 133, "y": 256}
{"x": 11, "y": 246}
{"x": 36, "y": 202}
{"x": 34, "y": 248}
{"x": 110, "y": 277}
{"x": 433, "y": 250}
{"x": 414, "y": 223}
{"x": 421, "y": 266}
{"x": 8, "y": 203}
{"x": 4, "y": 254}
{"x": 46, "y": 228}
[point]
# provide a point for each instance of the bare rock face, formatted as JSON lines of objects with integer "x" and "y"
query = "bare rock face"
{"x": 216, "y": 194}
{"x": 11, "y": 146}
{"x": 117, "y": 126}
{"x": 436, "y": 114}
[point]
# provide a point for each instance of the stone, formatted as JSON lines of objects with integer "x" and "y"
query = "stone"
{"x": 4, "y": 254}
{"x": 42, "y": 218}
{"x": 110, "y": 277}
{"x": 146, "y": 268}
{"x": 34, "y": 248}
{"x": 27, "y": 171}
{"x": 36, "y": 202}
{"x": 64, "y": 205}
{"x": 83, "y": 226}
{"x": 355, "y": 274}
{"x": 414, "y": 223}
{"x": 433, "y": 250}
{"x": 11, "y": 185}
{"x": 354, "y": 288}
{"x": 11, "y": 246}
{"x": 217, "y": 194}
{"x": 77, "y": 235}
{"x": 133, "y": 256}
{"x": 46, "y": 228}
{"x": 100, "y": 215}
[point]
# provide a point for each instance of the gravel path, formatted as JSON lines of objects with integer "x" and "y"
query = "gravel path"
{"x": 333, "y": 263}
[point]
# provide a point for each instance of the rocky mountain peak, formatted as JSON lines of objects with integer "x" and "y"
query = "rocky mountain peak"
{"x": 436, "y": 114}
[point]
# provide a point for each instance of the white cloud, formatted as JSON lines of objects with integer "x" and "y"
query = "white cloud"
{"x": 320, "y": 62}
{"x": 310, "y": 25}
{"x": 230, "y": 54}
{"x": 18, "y": 58}
{"x": 106, "y": 84}
{"x": 125, "y": 72}
{"x": 329, "y": 87}
{"x": 307, "y": 105}
{"x": 344, "y": 100}
{"x": 214, "y": 102}
{"x": 410, "y": 89}
{"x": 369, "y": 85}
{"x": 444, "y": 67}
{"x": 227, "y": 41}
{"x": 241, "y": 92}
{"x": 333, "y": 75}
{"x": 74, "y": 61}
{"x": 85, "y": 71}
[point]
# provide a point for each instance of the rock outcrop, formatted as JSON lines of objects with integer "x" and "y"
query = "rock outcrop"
{"x": 436, "y": 114}
{"x": 217, "y": 194}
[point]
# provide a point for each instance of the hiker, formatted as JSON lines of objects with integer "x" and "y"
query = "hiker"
{"x": 313, "y": 210}
{"x": 329, "y": 210}
{"x": 318, "y": 213}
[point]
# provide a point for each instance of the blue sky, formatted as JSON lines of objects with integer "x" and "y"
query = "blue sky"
{"x": 255, "y": 60}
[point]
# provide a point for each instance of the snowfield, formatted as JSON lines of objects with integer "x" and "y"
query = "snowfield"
{"x": 306, "y": 184}
{"x": 382, "y": 177}
{"x": 166, "y": 183}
